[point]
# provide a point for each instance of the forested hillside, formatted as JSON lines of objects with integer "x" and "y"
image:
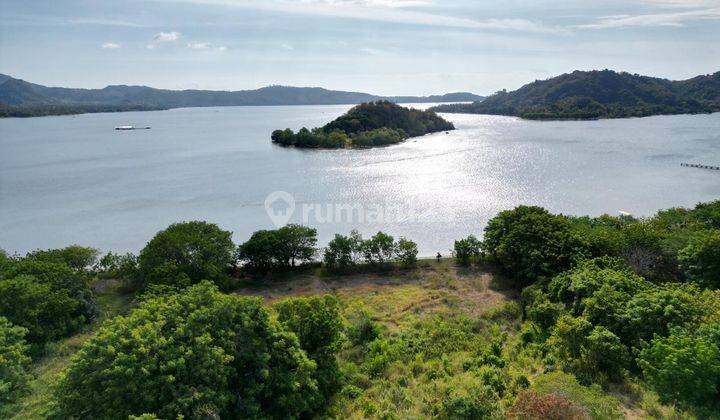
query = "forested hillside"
{"x": 20, "y": 98}
{"x": 600, "y": 94}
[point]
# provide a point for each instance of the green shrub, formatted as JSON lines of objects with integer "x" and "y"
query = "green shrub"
{"x": 683, "y": 367}
{"x": 197, "y": 354}
{"x": 75, "y": 256}
{"x": 50, "y": 300}
{"x": 465, "y": 396}
{"x": 700, "y": 259}
{"x": 529, "y": 243}
{"x": 319, "y": 326}
{"x": 13, "y": 362}
{"x": 186, "y": 253}
{"x": 656, "y": 310}
{"x": 363, "y": 329}
{"x": 593, "y": 353}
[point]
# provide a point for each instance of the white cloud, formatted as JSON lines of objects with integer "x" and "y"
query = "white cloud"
{"x": 395, "y": 11}
{"x": 657, "y": 19}
{"x": 102, "y": 22}
{"x": 287, "y": 47}
{"x": 167, "y": 36}
{"x": 204, "y": 46}
{"x": 110, "y": 46}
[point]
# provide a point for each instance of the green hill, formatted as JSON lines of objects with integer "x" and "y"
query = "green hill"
{"x": 600, "y": 94}
{"x": 370, "y": 124}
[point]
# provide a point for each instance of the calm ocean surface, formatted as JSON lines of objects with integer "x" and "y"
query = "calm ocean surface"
{"x": 74, "y": 179}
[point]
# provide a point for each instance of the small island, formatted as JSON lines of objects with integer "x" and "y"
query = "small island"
{"x": 370, "y": 124}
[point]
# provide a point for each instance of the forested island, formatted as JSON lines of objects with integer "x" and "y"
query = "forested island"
{"x": 545, "y": 316}
{"x": 600, "y": 94}
{"x": 371, "y": 124}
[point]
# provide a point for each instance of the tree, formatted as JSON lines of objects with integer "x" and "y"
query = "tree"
{"x": 319, "y": 326}
{"x": 197, "y": 354}
{"x": 593, "y": 353}
{"x": 297, "y": 244}
{"x": 529, "y": 243}
{"x": 656, "y": 310}
{"x": 50, "y": 300}
{"x": 13, "y": 362}
{"x": 278, "y": 249}
{"x": 700, "y": 259}
{"x": 407, "y": 251}
{"x": 259, "y": 253}
{"x": 379, "y": 249}
{"x": 340, "y": 253}
{"x": 186, "y": 253}
{"x": 467, "y": 250}
{"x": 683, "y": 367}
{"x": 75, "y": 256}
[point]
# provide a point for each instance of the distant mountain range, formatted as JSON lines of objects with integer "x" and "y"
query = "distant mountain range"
{"x": 600, "y": 94}
{"x": 16, "y": 94}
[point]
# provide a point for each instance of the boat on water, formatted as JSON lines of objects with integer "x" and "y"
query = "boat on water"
{"x": 130, "y": 127}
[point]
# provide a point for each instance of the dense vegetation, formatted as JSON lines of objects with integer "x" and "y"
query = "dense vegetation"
{"x": 22, "y": 111}
{"x": 19, "y": 98}
{"x": 547, "y": 316}
{"x": 370, "y": 124}
{"x": 600, "y": 94}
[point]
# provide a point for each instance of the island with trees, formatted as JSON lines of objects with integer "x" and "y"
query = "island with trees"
{"x": 371, "y": 124}
{"x": 600, "y": 94}
{"x": 544, "y": 316}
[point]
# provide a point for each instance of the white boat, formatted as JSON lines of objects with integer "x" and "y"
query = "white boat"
{"x": 130, "y": 127}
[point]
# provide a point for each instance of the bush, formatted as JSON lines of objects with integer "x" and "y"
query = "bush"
{"x": 279, "y": 249}
{"x": 594, "y": 353}
{"x": 700, "y": 259}
{"x": 75, "y": 256}
{"x": 13, "y": 362}
{"x": 467, "y": 250}
{"x": 529, "y": 405}
{"x": 529, "y": 243}
{"x": 465, "y": 396}
{"x": 656, "y": 310}
{"x": 683, "y": 367}
{"x": 319, "y": 326}
{"x": 590, "y": 399}
{"x": 363, "y": 329}
{"x": 343, "y": 252}
{"x": 186, "y": 253}
{"x": 50, "y": 300}
{"x": 197, "y": 354}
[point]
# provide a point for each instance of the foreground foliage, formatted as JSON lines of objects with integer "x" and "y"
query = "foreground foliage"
{"x": 198, "y": 353}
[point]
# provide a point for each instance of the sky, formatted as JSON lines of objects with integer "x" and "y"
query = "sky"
{"x": 387, "y": 47}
